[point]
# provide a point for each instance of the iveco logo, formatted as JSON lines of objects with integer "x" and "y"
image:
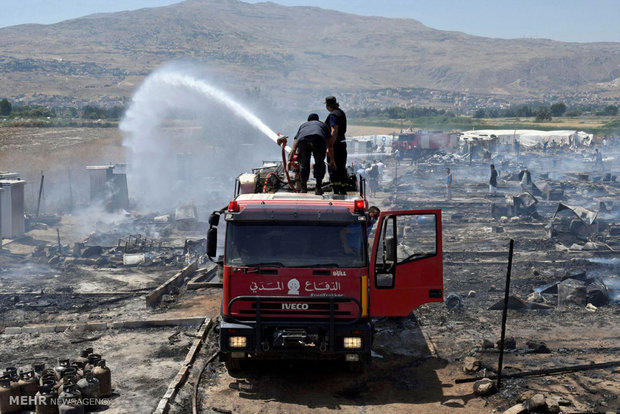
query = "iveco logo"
{"x": 295, "y": 306}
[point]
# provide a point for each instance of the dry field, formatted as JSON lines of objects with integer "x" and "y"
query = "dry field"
{"x": 579, "y": 123}
{"x": 62, "y": 155}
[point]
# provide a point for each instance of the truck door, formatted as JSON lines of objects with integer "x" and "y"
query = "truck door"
{"x": 406, "y": 267}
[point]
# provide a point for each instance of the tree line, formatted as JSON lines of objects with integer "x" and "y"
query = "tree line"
{"x": 540, "y": 112}
{"x": 37, "y": 111}
{"x": 398, "y": 112}
{"x": 544, "y": 112}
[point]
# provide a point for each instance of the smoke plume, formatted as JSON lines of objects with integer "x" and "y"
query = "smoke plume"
{"x": 188, "y": 140}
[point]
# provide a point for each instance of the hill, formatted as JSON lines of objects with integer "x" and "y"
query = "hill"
{"x": 295, "y": 53}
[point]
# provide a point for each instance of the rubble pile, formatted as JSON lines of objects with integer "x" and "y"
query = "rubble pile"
{"x": 564, "y": 294}
{"x": 563, "y": 298}
{"x": 110, "y": 246}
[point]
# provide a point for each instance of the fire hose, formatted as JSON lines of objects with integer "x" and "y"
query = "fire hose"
{"x": 282, "y": 142}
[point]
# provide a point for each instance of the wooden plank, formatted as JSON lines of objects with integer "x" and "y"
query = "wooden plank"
{"x": 154, "y": 298}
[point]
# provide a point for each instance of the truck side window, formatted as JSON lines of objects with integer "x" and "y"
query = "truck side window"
{"x": 385, "y": 255}
{"x": 417, "y": 237}
{"x": 387, "y": 234}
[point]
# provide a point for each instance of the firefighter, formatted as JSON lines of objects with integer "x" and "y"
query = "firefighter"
{"x": 373, "y": 216}
{"x": 336, "y": 145}
{"x": 312, "y": 139}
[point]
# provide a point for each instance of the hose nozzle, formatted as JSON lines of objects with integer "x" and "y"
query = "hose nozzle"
{"x": 281, "y": 139}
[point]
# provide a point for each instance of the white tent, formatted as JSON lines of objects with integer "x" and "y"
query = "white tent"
{"x": 528, "y": 138}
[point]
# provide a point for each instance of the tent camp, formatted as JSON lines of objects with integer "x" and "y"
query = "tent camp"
{"x": 528, "y": 138}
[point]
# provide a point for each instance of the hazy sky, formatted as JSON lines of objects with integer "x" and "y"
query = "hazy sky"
{"x": 566, "y": 20}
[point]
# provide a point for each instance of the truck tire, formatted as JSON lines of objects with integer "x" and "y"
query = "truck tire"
{"x": 359, "y": 367}
{"x": 233, "y": 364}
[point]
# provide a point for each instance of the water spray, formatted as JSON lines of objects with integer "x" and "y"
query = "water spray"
{"x": 154, "y": 142}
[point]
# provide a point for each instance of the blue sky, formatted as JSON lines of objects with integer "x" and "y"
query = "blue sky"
{"x": 566, "y": 20}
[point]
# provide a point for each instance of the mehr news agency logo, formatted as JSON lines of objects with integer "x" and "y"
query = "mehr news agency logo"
{"x": 29, "y": 401}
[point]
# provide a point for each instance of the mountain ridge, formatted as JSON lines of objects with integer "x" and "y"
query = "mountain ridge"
{"x": 294, "y": 52}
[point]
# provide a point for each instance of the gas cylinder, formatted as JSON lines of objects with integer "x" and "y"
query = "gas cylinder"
{"x": 47, "y": 375}
{"x": 70, "y": 400}
{"x": 104, "y": 375}
{"x": 69, "y": 372}
{"x": 46, "y": 400}
{"x": 69, "y": 377}
{"x": 6, "y": 392}
{"x": 83, "y": 358}
{"x": 89, "y": 387}
{"x": 15, "y": 388}
{"x": 93, "y": 359}
{"x": 49, "y": 383}
{"x": 79, "y": 368}
{"x": 28, "y": 386}
{"x": 47, "y": 371}
{"x": 11, "y": 372}
{"x": 63, "y": 365}
{"x": 38, "y": 368}
{"x": 28, "y": 383}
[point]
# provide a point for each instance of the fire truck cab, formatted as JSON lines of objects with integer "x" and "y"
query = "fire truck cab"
{"x": 302, "y": 280}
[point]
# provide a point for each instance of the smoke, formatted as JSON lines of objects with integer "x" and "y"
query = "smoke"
{"x": 188, "y": 140}
{"x": 609, "y": 273}
{"x": 608, "y": 261}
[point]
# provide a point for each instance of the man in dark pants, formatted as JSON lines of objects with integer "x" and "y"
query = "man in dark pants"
{"x": 311, "y": 139}
{"x": 336, "y": 145}
{"x": 493, "y": 181}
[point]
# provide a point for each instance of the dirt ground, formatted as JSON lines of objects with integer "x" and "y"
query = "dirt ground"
{"x": 415, "y": 360}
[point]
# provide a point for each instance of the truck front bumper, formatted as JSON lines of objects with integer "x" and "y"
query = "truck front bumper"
{"x": 295, "y": 340}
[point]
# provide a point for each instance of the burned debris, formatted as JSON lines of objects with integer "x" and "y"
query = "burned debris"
{"x": 564, "y": 301}
{"x": 138, "y": 283}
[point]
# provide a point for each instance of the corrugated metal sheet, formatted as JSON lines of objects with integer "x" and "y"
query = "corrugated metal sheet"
{"x": 108, "y": 184}
{"x": 12, "y": 219}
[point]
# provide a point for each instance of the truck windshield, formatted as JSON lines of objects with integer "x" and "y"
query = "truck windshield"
{"x": 295, "y": 244}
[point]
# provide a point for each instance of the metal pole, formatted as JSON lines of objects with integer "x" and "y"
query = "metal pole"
{"x": 59, "y": 245}
{"x": 40, "y": 193}
{"x": 501, "y": 341}
{"x": 70, "y": 191}
{"x": 396, "y": 177}
{"x": 547, "y": 371}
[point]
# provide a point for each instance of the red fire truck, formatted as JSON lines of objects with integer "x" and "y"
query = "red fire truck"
{"x": 420, "y": 143}
{"x": 301, "y": 279}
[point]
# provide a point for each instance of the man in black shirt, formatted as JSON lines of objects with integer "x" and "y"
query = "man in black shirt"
{"x": 336, "y": 145}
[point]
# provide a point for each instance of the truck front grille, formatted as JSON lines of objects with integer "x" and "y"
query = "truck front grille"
{"x": 272, "y": 307}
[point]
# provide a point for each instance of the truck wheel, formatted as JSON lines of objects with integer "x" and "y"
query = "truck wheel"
{"x": 359, "y": 367}
{"x": 233, "y": 364}
{"x": 356, "y": 367}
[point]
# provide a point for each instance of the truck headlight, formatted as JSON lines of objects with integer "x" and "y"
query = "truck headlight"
{"x": 352, "y": 342}
{"x": 237, "y": 341}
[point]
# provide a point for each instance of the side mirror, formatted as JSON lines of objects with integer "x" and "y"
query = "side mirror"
{"x": 212, "y": 241}
{"x": 214, "y": 219}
